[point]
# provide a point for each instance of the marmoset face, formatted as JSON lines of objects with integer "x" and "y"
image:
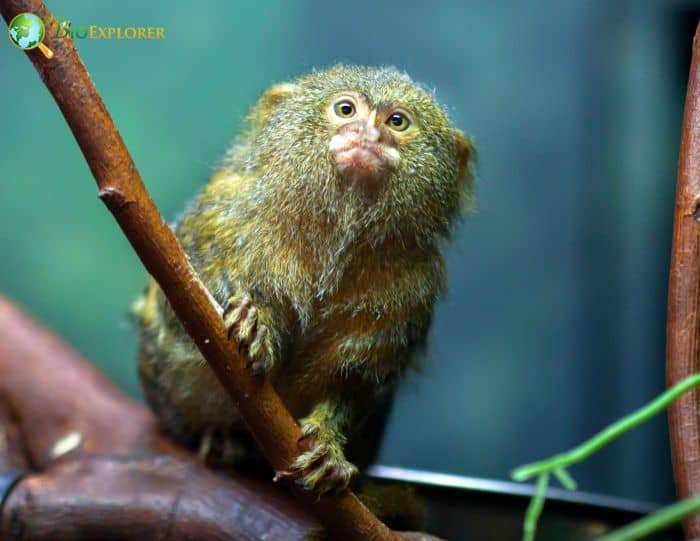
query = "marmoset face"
{"x": 367, "y": 136}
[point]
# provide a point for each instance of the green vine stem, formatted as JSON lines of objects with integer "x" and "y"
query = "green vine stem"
{"x": 556, "y": 465}
{"x": 534, "y": 510}
{"x": 605, "y": 436}
{"x": 655, "y": 522}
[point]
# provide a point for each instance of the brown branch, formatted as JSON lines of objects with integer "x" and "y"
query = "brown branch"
{"x": 120, "y": 478}
{"x": 115, "y": 480}
{"x": 48, "y": 392}
{"x": 131, "y": 499}
{"x": 683, "y": 324}
{"x": 122, "y": 190}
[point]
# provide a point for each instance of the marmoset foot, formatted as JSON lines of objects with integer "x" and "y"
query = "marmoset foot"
{"x": 324, "y": 467}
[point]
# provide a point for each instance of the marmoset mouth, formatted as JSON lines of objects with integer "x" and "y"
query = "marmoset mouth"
{"x": 361, "y": 159}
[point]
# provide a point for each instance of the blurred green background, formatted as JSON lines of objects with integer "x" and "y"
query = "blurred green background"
{"x": 554, "y": 323}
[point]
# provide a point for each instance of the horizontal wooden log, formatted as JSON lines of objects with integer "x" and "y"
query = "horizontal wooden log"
{"x": 93, "y": 498}
{"x": 102, "y": 468}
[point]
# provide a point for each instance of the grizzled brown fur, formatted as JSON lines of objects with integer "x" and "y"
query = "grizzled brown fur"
{"x": 321, "y": 235}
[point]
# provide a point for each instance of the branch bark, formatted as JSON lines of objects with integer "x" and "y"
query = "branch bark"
{"x": 98, "y": 466}
{"x": 123, "y": 192}
{"x": 683, "y": 323}
{"x": 164, "y": 498}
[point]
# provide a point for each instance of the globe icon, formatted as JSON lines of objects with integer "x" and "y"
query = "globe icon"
{"x": 26, "y": 31}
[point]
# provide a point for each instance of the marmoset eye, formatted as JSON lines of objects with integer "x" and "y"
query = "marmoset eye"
{"x": 398, "y": 121}
{"x": 344, "y": 109}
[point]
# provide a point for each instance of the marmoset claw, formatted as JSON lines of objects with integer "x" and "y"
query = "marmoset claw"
{"x": 241, "y": 320}
{"x": 323, "y": 468}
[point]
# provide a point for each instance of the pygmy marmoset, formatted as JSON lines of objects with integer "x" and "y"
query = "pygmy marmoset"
{"x": 321, "y": 236}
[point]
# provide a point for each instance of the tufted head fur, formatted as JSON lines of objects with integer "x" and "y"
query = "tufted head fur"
{"x": 359, "y": 171}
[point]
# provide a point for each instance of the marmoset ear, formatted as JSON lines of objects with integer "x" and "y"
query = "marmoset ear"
{"x": 274, "y": 95}
{"x": 466, "y": 163}
{"x": 269, "y": 101}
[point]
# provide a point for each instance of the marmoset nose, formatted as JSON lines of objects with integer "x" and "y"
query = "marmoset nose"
{"x": 370, "y": 132}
